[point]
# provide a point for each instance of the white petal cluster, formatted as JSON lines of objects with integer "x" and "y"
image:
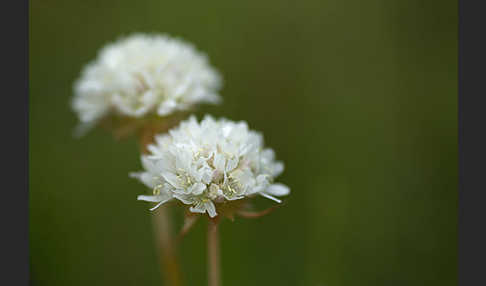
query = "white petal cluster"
{"x": 145, "y": 74}
{"x": 204, "y": 163}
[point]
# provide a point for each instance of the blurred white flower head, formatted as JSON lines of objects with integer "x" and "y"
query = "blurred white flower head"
{"x": 145, "y": 74}
{"x": 203, "y": 164}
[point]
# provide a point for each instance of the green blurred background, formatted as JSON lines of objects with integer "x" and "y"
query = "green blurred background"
{"x": 358, "y": 98}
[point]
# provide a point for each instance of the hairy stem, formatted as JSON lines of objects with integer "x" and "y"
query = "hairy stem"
{"x": 214, "y": 265}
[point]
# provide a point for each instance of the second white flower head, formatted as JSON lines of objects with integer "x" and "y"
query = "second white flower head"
{"x": 145, "y": 74}
{"x": 204, "y": 163}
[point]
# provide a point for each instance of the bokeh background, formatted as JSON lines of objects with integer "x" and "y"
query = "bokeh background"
{"x": 358, "y": 98}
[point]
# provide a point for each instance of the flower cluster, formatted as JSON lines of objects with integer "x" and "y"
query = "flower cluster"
{"x": 145, "y": 74}
{"x": 203, "y": 164}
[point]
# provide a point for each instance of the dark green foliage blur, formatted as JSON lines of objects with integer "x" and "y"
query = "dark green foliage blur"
{"x": 358, "y": 98}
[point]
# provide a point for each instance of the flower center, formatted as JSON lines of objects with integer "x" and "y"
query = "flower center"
{"x": 232, "y": 187}
{"x": 184, "y": 179}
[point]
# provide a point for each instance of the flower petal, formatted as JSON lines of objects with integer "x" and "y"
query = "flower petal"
{"x": 172, "y": 179}
{"x": 232, "y": 163}
{"x": 210, "y": 208}
{"x": 278, "y": 168}
{"x": 156, "y": 206}
{"x": 144, "y": 177}
{"x": 166, "y": 107}
{"x": 219, "y": 162}
{"x": 198, "y": 209}
{"x": 153, "y": 199}
{"x": 270, "y": 197}
{"x": 183, "y": 198}
{"x": 278, "y": 189}
{"x": 160, "y": 199}
{"x": 198, "y": 188}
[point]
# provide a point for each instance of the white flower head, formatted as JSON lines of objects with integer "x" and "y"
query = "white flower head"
{"x": 203, "y": 164}
{"x": 145, "y": 74}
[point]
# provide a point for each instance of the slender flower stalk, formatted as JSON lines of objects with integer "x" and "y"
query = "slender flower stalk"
{"x": 167, "y": 251}
{"x": 214, "y": 263}
{"x": 169, "y": 262}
